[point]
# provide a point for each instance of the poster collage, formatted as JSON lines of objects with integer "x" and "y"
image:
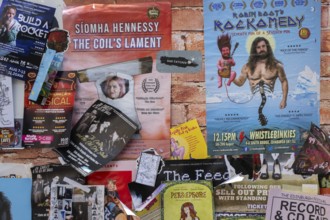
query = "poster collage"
{"x": 92, "y": 82}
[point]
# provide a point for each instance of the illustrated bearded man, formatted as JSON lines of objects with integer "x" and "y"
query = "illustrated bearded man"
{"x": 262, "y": 70}
{"x": 262, "y": 66}
{"x": 5, "y": 206}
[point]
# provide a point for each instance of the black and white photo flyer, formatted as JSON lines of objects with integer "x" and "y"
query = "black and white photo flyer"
{"x": 97, "y": 138}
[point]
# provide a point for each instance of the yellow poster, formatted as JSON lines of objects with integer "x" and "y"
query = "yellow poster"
{"x": 188, "y": 200}
{"x": 187, "y": 142}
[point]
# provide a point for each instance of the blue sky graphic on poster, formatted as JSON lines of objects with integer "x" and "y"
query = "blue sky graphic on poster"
{"x": 233, "y": 112}
{"x": 18, "y": 191}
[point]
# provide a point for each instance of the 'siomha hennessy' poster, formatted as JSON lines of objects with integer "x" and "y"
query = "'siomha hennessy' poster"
{"x": 114, "y": 44}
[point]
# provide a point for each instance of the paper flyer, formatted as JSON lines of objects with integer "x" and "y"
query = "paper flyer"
{"x": 97, "y": 138}
{"x": 43, "y": 178}
{"x": 258, "y": 97}
{"x": 15, "y": 197}
{"x": 7, "y": 124}
{"x": 286, "y": 205}
{"x": 187, "y": 141}
{"x": 249, "y": 198}
{"x": 49, "y": 125}
{"x": 187, "y": 199}
{"x": 71, "y": 202}
{"x": 119, "y": 173}
{"x": 131, "y": 34}
{"x": 23, "y": 37}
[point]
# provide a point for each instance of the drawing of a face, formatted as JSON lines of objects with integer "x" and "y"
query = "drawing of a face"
{"x": 186, "y": 210}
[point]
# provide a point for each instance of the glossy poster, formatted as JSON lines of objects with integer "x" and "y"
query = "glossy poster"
{"x": 24, "y": 28}
{"x": 262, "y": 74}
{"x": 120, "y": 42}
{"x": 187, "y": 200}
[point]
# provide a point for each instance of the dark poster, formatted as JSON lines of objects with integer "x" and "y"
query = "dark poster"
{"x": 43, "y": 178}
{"x": 97, "y": 138}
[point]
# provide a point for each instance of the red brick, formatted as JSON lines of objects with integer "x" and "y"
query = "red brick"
{"x": 178, "y": 114}
{"x": 188, "y": 41}
{"x": 325, "y": 112}
{"x": 325, "y": 88}
{"x": 188, "y": 93}
{"x": 325, "y": 65}
{"x": 197, "y": 111}
{"x": 325, "y": 41}
{"x": 325, "y": 16}
{"x": 187, "y": 19}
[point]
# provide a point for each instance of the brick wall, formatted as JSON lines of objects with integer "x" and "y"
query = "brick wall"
{"x": 188, "y": 90}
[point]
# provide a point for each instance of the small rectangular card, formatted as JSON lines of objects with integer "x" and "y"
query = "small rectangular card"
{"x": 148, "y": 169}
{"x": 178, "y": 61}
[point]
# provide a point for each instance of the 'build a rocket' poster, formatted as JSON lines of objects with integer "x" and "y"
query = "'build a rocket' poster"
{"x": 262, "y": 74}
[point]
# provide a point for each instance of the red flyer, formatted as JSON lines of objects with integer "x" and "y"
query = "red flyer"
{"x": 118, "y": 44}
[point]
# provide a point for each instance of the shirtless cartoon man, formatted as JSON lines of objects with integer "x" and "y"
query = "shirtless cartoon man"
{"x": 262, "y": 69}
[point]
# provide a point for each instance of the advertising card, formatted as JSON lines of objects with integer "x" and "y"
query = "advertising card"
{"x": 23, "y": 36}
{"x": 123, "y": 41}
{"x": 44, "y": 177}
{"x": 258, "y": 97}
{"x": 49, "y": 125}
{"x": 249, "y": 198}
{"x": 115, "y": 176}
{"x": 187, "y": 141}
{"x": 188, "y": 199}
{"x": 285, "y": 205}
{"x": 72, "y": 202}
{"x": 97, "y": 138}
{"x": 7, "y": 126}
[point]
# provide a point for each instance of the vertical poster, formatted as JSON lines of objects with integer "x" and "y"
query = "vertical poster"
{"x": 24, "y": 27}
{"x": 262, "y": 74}
{"x": 188, "y": 200}
{"x": 187, "y": 141}
{"x": 117, "y": 44}
{"x": 97, "y": 138}
{"x": 49, "y": 125}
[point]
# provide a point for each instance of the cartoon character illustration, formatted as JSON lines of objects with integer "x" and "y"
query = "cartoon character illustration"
{"x": 226, "y": 61}
{"x": 188, "y": 212}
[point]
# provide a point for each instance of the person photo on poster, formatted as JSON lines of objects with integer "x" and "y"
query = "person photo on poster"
{"x": 117, "y": 89}
{"x": 5, "y": 207}
{"x": 113, "y": 209}
{"x": 262, "y": 70}
{"x": 9, "y": 27}
{"x": 38, "y": 189}
{"x": 226, "y": 61}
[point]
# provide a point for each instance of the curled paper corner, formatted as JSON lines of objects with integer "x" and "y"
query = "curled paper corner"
{"x": 234, "y": 179}
{"x": 128, "y": 211}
